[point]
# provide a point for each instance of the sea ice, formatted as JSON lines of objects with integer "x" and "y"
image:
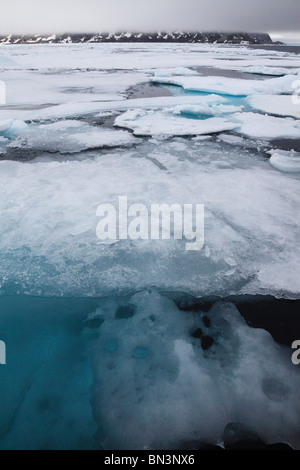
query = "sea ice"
{"x": 237, "y": 140}
{"x": 259, "y": 126}
{"x": 82, "y": 109}
{"x": 231, "y": 86}
{"x": 207, "y": 109}
{"x": 6, "y": 62}
{"x": 62, "y": 255}
{"x": 12, "y": 128}
{"x": 31, "y": 89}
{"x": 281, "y": 105}
{"x": 165, "y": 123}
{"x": 169, "y": 72}
{"x": 70, "y": 136}
{"x": 285, "y": 161}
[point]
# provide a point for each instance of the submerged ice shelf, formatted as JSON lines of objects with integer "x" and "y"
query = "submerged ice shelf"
{"x": 138, "y": 372}
{"x": 124, "y": 344}
{"x": 224, "y": 383}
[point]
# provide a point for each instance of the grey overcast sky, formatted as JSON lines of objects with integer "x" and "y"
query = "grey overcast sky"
{"x": 48, "y": 16}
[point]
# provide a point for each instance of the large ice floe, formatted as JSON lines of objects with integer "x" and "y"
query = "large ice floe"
{"x": 163, "y": 123}
{"x": 140, "y": 343}
{"x": 231, "y": 86}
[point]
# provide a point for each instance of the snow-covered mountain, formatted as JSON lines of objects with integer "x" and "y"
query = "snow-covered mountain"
{"x": 222, "y": 38}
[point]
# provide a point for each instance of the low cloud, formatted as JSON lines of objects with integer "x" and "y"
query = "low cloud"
{"x": 47, "y": 16}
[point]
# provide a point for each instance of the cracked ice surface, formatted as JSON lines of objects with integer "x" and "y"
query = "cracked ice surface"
{"x": 62, "y": 255}
{"x": 68, "y": 136}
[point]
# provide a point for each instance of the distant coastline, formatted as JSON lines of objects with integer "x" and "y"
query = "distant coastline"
{"x": 159, "y": 37}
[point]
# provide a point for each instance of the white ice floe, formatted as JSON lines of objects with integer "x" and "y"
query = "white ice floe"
{"x": 201, "y": 138}
{"x": 169, "y": 72}
{"x": 237, "y": 140}
{"x": 282, "y": 276}
{"x": 287, "y": 161}
{"x": 165, "y": 123}
{"x": 281, "y": 105}
{"x": 259, "y": 126}
{"x": 231, "y": 86}
{"x": 207, "y": 109}
{"x": 262, "y": 70}
{"x": 183, "y": 120}
{"x": 70, "y": 137}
